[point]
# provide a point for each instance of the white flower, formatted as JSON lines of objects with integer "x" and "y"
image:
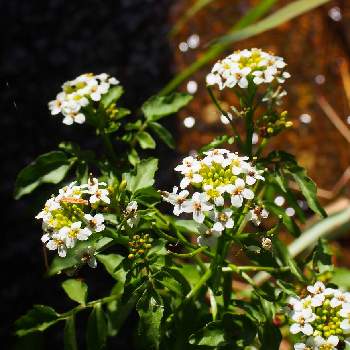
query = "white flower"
{"x": 77, "y": 94}
{"x": 310, "y": 345}
{"x": 317, "y": 288}
{"x": 215, "y": 156}
{"x": 74, "y": 233}
{"x": 300, "y": 304}
{"x": 339, "y": 298}
{"x": 177, "y": 200}
{"x": 133, "y": 217}
{"x": 238, "y": 193}
{"x": 96, "y": 222}
{"x": 302, "y": 321}
{"x": 345, "y": 313}
{"x": 248, "y": 65}
{"x": 57, "y": 242}
{"x": 93, "y": 185}
{"x": 131, "y": 207}
{"x": 190, "y": 177}
{"x": 329, "y": 344}
{"x": 208, "y": 236}
{"x": 50, "y": 205}
{"x": 253, "y": 175}
{"x": 197, "y": 205}
{"x": 222, "y": 219}
{"x": 255, "y": 215}
{"x": 189, "y": 165}
{"x": 100, "y": 195}
{"x": 238, "y": 164}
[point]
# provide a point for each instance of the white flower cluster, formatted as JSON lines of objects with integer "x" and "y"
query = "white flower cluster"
{"x": 222, "y": 181}
{"x": 243, "y": 67}
{"x": 73, "y": 215}
{"x": 322, "y": 318}
{"x": 78, "y": 93}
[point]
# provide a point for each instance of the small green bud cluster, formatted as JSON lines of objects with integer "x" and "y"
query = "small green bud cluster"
{"x": 272, "y": 124}
{"x": 139, "y": 245}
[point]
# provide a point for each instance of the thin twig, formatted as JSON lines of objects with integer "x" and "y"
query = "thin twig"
{"x": 334, "y": 118}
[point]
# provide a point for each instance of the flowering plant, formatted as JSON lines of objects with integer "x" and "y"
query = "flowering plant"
{"x": 178, "y": 273}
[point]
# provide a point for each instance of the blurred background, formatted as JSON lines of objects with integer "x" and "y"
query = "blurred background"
{"x": 48, "y": 42}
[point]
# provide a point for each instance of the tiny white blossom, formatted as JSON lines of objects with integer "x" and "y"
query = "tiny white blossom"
{"x": 302, "y": 321}
{"x": 239, "y": 192}
{"x": 190, "y": 177}
{"x": 329, "y": 344}
{"x": 257, "y": 214}
{"x": 197, "y": 205}
{"x": 95, "y": 222}
{"x": 100, "y": 195}
{"x": 222, "y": 219}
{"x": 176, "y": 199}
{"x": 189, "y": 165}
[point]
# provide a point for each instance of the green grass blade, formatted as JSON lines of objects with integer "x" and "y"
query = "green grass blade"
{"x": 281, "y": 16}
{"x": 196, "y": 7}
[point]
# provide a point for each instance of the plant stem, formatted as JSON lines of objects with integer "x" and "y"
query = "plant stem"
{"x": 195, "y": 290}
{"x": 109, "y": 147}
{"x": 189, "y": 255}
{"x": 228, "y": 117}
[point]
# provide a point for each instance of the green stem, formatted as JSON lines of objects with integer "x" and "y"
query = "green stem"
{"x": 238, "y": 269}
{"x": 189, "y": 255}
{"x": 233, "y": 126}
{"x": 195, "y": 290}
{"x": 109, "y": 147}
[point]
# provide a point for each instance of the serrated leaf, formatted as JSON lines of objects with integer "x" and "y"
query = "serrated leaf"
{"x": 145, "y": 140}
{"x": 163, "y": 134}
{"x": 76, "y": 290}
{"x": 151, "y": 314}
{"x": 142, "y": 176}
{"x": 111, "y": 96}
{"x": 287, "y": 221}
{"x": 97, "y": 329}
{"x": 70, "y": 339}
{"x": 158, "y": 107}
{"x": 37, "y": 319}
{"x": 50, "y": 167}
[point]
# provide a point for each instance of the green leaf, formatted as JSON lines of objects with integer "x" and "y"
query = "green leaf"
{"x": 142, "y": 176}
{"x": 76, "y": 290}
{"x": 147, "y": 196}
{"x": 308, "y": 189}
{"x": 322, "y": 257}
{"x": 97, "y": 329}
{"x": 287, "y": 221}
{"x": 158, "y": 107}
{"x": 50, "y": 167}
{"x": 286, "y": 13}
{"x": 111, "y": 262}
{"x": 145, "y": 140}
{"x": 133, "y": 157}
{"x": 111, "y": 96}
{"x": 270, "y": 337}
{"x": 151, "y": 314}
{"x": 287, "y": 260}
{"x": 163, "y": 134}
{"x": 187, "y": 226}
{"x": 70, "y": 338}
{"x": 38, "y": 319}
{"x": 218, "y": 141}
{"x": 234, "y": 331}
{"x": 341, "y": 277}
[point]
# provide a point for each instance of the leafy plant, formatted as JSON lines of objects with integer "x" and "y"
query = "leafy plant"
{"x": 175, "y": 273}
